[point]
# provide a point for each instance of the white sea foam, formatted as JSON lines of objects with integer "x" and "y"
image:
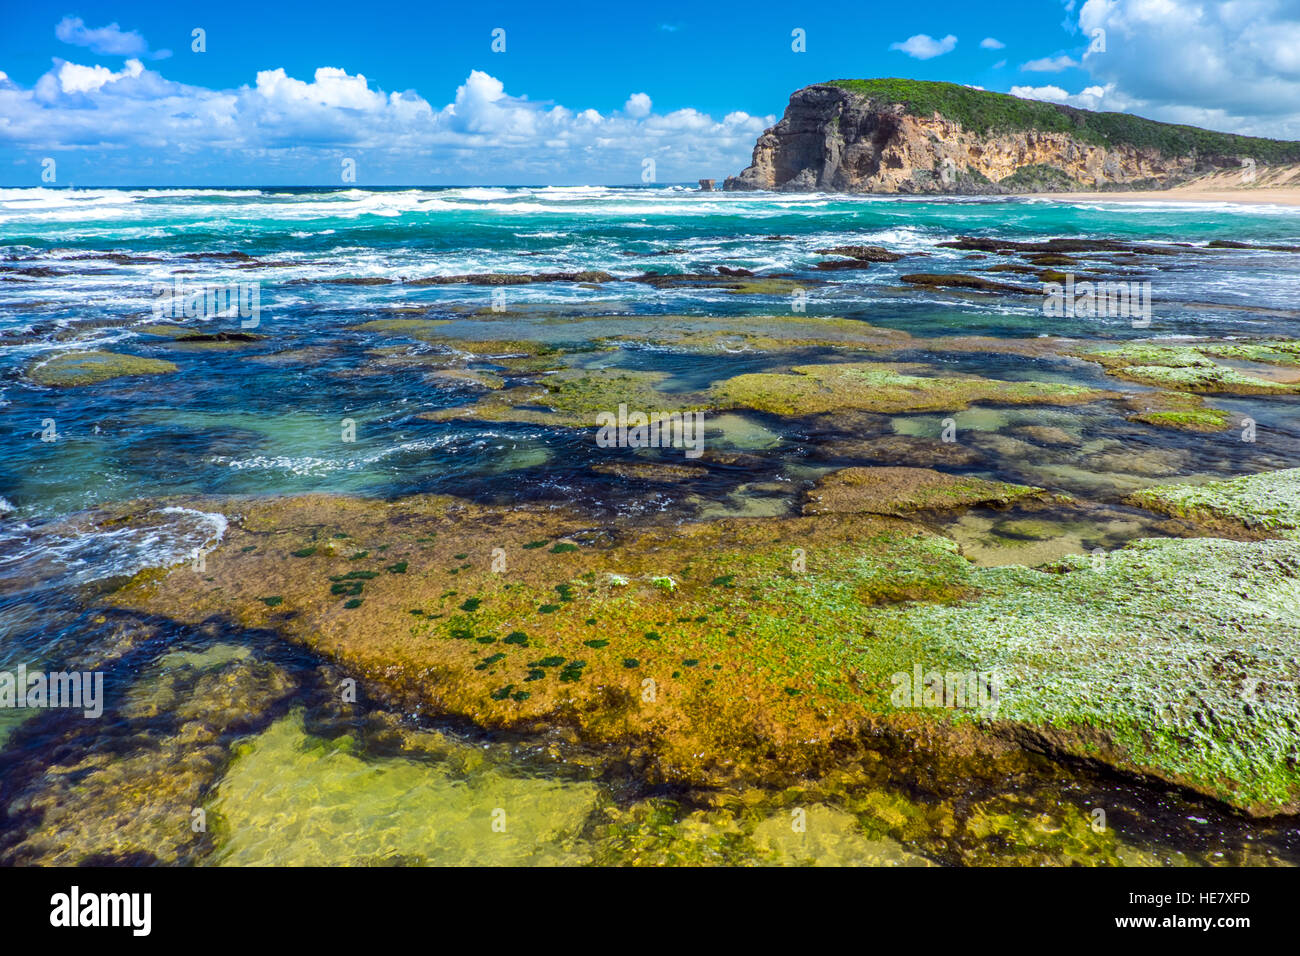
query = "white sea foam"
{"x": 80, "y": 550}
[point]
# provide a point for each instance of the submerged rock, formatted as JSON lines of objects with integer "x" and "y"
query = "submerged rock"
{"x": 1135, "y": 661}
{"x": 650, "y": 470}
{"x": 512, "y": 278}
{"x": 89, "y": 368}
{"x": 946, "y": 280}
{"x": 886, "y": 388}
{"x": 131, "y": 783}
{"x": 350, "y": 810}
{"x": 765, "y": 667}
{"x": 1179, "y": 410}
{"x": 902, "y": 491}
{"x": 908, "y": 450}
{"x": 1047, "y": 435}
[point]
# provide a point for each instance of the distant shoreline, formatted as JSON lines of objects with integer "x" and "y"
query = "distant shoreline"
{"x": 1276, "y": 185}
{"x": 1245, "y": 195}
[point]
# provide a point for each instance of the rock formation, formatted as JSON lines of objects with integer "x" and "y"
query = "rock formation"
{"x": 901, "y": 136}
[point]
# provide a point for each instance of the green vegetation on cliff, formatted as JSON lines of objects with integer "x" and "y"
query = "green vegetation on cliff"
{"x": 984, "y": 112}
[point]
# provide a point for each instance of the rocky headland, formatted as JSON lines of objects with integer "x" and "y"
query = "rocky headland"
{"x": 910, "y": 136}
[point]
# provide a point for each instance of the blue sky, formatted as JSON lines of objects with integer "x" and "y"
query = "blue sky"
{"x": 414, "y": 93}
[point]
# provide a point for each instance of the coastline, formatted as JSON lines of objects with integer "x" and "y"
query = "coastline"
{"x": 1245, "y": 196}
{"x": 1273, "y": 186}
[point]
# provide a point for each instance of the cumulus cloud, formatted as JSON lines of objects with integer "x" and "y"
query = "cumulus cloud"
{"x": 74, "y": 78}
{"x": 111, "y": 40}
{"x": 989, "y": 43}
{"x": 1050, "y": 64}
{"x": 638, "y": 105}
{"x": 1233, "y": 66}
{"x": 138, "y": 120}
{"x": 925, "y": 47}
{"x": 1091, "y": 98}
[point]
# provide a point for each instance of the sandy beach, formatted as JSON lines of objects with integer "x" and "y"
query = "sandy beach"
{"x": 1271, "y": 186}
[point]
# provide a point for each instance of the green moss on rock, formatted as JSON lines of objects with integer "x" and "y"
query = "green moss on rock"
{"x": 1170, "y": 659}
{"x": 1267, "y": 502}
{"x": 880, "y": 387}
{"x": 88, "y": 368}
{"x": 901, "y": 491}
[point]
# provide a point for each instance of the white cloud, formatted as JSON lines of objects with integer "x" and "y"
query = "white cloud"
{"x": 637, "y": 105}
{"x": 281, "y": 126}
{"x": 332, "y": 87}
{"x": 1091, "y": 98}
{"x": 989, "y": 43}
{"x": 111, "y": 40}
{"x": 1050, "y": 64}
{"x": 925, "y": 47}
{"x": 1232, "y": 65}
{"x": 74, "y": 78}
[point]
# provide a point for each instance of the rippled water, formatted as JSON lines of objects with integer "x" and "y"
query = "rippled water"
{"x": 295, "y": 780}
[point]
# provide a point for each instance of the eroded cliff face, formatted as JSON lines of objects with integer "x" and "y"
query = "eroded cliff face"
{"x": 832, "y": 139}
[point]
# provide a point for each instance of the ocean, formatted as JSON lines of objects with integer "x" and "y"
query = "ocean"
{"x": 340, "y": 366}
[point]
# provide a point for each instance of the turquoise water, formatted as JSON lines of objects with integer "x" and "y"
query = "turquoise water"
{"x": 78, "y": 270}
{"x": 230, "y": 425}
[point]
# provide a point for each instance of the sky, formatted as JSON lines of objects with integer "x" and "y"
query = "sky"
{"x": 434, "y": 93}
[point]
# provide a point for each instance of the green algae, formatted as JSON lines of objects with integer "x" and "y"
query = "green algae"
{"x": 1188, "y": 367}
{"x": 711, "y": 334}
{"x": 1197, "y": 420}
{"x": 1146, "y": 663}
{"x": 1267, "y": 502}
{"x": 1100, "y": 658}
{"x": 165, "y": 330}
{"x": 125, "y": 788}
{"x": 463, "y": 376}
{"x": 1277, "y": 352}
{"x": 901, "y": 491}
{"x": 1179, "y": 410}
{"x": 885, "y": 388}
{"x": 416, "y": 328}
{"x": 572, "y": 398}
{"x": 1217, "y": 378}
{"x": 1195, "y": 354}
{"x": 1146, "y": 353}
{"x": 291, "y": 799}
{"x": 88, "y": 368}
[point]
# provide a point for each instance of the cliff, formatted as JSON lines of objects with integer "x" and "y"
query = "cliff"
{"x": 910, "y": 136}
